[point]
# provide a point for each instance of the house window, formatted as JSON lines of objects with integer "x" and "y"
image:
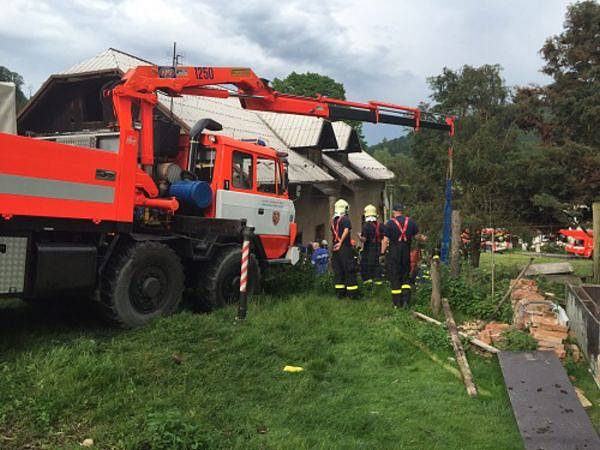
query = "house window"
{"x": 241, "y": 171}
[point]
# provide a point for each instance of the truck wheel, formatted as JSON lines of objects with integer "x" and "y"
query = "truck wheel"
{"x": 142, "y": 282}
{"x": 219, "y": 284}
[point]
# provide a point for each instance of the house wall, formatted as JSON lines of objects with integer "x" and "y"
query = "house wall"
{"x": 69, "y": 106}
{"x": 314, "y": 209}
{"x": 367, "y": 192}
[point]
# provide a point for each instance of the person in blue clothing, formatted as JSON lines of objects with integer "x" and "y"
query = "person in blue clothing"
{"x": 319, "y": 259}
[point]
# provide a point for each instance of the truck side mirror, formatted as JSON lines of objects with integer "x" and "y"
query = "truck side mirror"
{"x": 295, "y": 194}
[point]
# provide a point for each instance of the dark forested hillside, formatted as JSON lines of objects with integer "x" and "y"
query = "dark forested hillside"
{"x": 400, "y": 145}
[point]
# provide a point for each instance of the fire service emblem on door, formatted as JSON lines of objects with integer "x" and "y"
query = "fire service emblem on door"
{"x": 276, "y": 217}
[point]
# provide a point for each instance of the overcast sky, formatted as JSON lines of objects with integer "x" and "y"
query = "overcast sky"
{"x": 380, "y": 50}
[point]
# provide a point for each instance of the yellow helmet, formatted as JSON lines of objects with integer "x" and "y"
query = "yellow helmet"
{"x": 370, "y": 211}
{"x": 341, "y": 207}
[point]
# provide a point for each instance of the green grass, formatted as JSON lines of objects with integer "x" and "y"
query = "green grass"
{"x": 370, "y": 381}
{"x": 373, "y": 378}
{"x": 517, "y": 259}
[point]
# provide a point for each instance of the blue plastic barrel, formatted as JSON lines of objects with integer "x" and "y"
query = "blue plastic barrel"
{"x": 192, "y": 193}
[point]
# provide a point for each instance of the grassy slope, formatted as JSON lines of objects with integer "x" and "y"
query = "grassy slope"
{"x": 373, "y": 379}
{"x": 367, "y": 382}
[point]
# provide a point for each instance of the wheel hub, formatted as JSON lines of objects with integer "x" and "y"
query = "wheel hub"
{"x": 151, "y": 287}
{"x": 147, "y": 289}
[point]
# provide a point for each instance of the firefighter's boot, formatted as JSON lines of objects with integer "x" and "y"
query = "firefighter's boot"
{"x": 406, "y": 292}
{"x": 396, "y": 298}
{"x": 368, "y": 287}
{"x": 352, "y": 291}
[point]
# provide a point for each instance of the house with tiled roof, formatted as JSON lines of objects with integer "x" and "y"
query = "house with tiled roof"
{"x": 326, "y": 160}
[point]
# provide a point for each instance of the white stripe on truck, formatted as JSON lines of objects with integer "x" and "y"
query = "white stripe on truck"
{"x": 61, "y": 190}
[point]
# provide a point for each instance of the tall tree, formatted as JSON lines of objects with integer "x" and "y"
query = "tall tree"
{"x": 310, "y": 84}
{"x": 14, "y": 77}
{"x": 470, "y": 90}
{"x": 478, "y": 95}
{"x": 565, "y": 114}
{"x": 573, "y": 61}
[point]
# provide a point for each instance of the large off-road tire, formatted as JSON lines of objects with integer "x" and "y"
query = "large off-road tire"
{"x": 218, "y": 284}
{"x": 142, "y": 281}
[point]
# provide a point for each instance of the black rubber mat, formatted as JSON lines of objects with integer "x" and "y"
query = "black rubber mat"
{"x": 546, "y": 407}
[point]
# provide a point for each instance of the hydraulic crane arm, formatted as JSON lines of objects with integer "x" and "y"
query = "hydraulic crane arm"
{"x": 144, "y": 82}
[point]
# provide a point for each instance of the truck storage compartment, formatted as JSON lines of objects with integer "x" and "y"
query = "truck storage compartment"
{"x": 13, "y": 264}
{"x": 65, "y": 268}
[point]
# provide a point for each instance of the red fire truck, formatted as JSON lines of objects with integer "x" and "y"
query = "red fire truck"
{"x": 581, "y": 242}
{"x": 146, "y": 211}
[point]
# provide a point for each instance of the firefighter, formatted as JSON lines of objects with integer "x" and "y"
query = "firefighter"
{"x": 371, "y": 237}
{"x": 399, "y": 232}
{"x": 342, "y": 259}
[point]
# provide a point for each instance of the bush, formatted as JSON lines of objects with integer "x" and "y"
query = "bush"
{"x": 517, "y": 340}
{"x": 470, "y": 293}
{"x": 289, "y": 280}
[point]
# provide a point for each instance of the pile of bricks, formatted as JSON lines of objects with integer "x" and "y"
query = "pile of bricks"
{"x": 492, "y": 332}
{"x": 532, "y": 310}
{"x": 471, "y": 328}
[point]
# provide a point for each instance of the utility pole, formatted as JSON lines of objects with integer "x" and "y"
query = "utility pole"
{"x": 174, "y": 63}
{"x": 455, "y": 248}
{"x": 493, "y": 261}
{"x": 596, "y": 254}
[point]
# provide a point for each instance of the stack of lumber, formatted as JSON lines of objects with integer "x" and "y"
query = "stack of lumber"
{"x": 532, "y": 311}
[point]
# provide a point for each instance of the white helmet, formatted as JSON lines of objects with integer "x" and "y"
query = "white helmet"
{"x": 341, "y": 207}
{"x": 370, "y": 211}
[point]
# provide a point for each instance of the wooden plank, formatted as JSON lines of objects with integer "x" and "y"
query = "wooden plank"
{"x": 585, "y": 402}
{"x": 512, "y": 287}
{"x": 471, "y": 339}
{"x": 461, "y": 358}
{"x": 550, "y": 269}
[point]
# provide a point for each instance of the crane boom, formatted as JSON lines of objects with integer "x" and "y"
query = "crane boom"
{"x": 255, "y": 93}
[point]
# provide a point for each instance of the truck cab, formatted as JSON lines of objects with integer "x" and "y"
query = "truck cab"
{"x": 248, "y": 180}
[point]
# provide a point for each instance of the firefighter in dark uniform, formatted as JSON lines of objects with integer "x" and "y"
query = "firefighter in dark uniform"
{"x": 371, "y": 236}
{"x": 342, "y": 258}
{"x": 400, "y": 230}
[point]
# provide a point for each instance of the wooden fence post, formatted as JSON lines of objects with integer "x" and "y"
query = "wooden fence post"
{"x": 436, "y": 285}
{"x": 596, "y": 254}
{"x": 459, "y": 351}
{"x": 456, "y": 241}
